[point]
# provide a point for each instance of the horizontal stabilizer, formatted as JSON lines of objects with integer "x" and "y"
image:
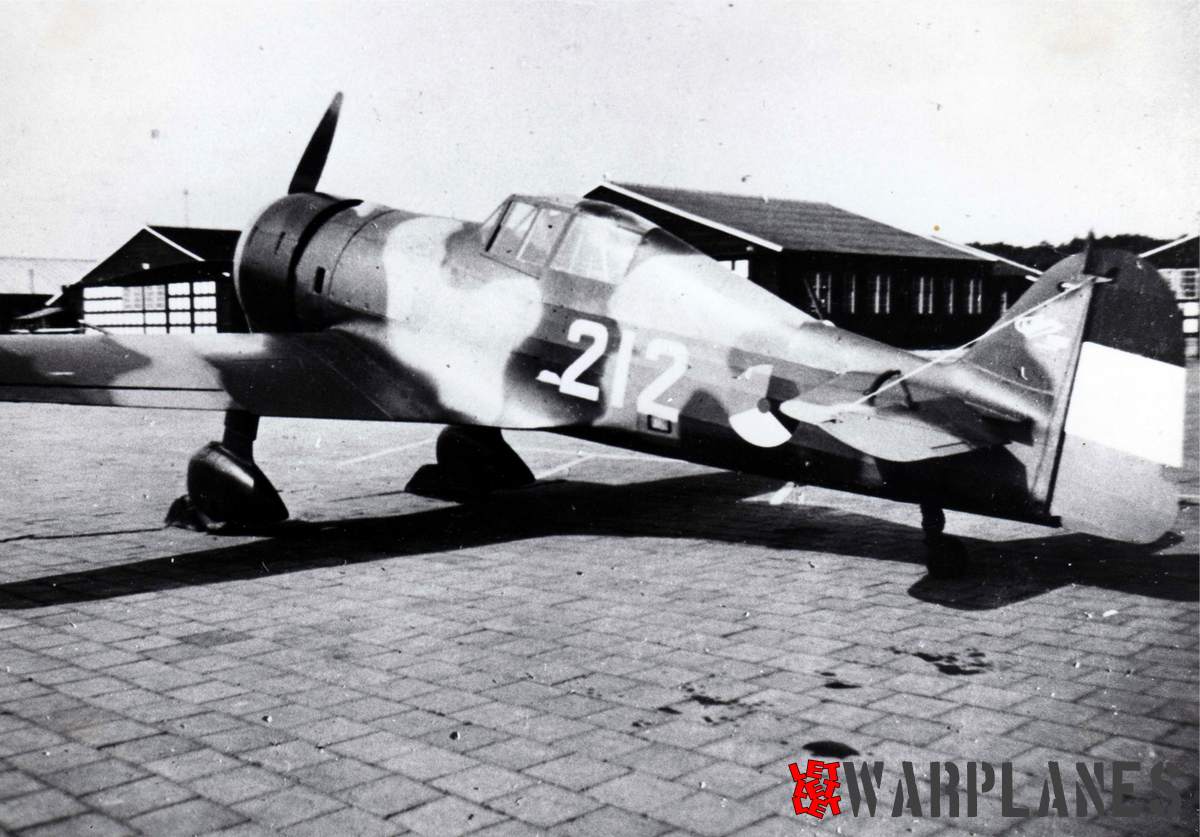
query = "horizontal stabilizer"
{"x": 902, "y": 424}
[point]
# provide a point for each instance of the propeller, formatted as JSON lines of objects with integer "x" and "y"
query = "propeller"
{"x": 308, "y": 172}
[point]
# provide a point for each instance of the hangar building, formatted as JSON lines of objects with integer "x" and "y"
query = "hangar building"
{"x": 164, "y": 279}
{"x": 868, "y": 277}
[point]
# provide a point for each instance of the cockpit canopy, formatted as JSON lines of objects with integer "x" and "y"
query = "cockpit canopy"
{"x": 587, "y": 239}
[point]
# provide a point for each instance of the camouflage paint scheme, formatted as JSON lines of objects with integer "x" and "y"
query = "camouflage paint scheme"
{"x": 630, "y": 337}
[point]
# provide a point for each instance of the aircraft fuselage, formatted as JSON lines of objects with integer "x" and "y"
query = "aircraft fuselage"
{"x": 665, "y": 351}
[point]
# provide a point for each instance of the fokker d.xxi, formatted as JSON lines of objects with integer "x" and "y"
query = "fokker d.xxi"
{"x": 578, "y": 317}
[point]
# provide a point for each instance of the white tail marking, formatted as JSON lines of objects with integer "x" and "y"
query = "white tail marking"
{"x": 1130, "y": 403}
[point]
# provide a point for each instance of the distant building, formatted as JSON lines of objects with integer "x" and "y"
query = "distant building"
{"x": 28, "y": 284}
{"x": 871, "y": 278}
{"x": 1179, "y": 263}
{"x": 164, "y": 279}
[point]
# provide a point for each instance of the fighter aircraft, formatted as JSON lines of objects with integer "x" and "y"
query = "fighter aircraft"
{"x": 582, "y": 318}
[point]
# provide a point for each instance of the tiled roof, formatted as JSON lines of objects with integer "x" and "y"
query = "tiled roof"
{"x": 794, "y": 225}
{"x": 1003, "y": 266}
{"x": 209, "y": 244}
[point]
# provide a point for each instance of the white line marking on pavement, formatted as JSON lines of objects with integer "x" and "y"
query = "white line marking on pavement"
{"x": 630, "y": 457}
{"x": 386, "y": 452}
{"x": 579, "y": 460}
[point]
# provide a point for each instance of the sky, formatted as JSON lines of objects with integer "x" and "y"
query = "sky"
{"x": 976, "y": 121}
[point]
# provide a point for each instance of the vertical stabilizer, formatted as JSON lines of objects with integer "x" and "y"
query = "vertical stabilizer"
{"x": 1125, "y": 413}
{"x": 1099, "y": 337}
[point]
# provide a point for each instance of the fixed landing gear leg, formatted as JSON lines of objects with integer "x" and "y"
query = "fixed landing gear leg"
{"x": 224, "y": 485}
{"x": 471, "y": 463}
{"x": 945, "y": 556}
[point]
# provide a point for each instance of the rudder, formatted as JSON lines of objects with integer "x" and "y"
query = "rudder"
{"x": 1098, "y": 339}
{"x": 1125, "y": 415}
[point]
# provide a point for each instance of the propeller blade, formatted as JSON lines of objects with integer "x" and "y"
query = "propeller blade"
{"x": 308, "y": 173}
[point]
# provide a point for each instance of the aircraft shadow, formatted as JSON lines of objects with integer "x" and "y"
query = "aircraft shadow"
{"x": 702, "y": 507}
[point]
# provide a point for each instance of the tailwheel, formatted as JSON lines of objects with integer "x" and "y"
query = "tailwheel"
{"x": 945, "y": 555}
{"x": 225, "y": 485}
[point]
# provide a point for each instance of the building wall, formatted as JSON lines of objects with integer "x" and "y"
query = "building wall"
{"x": 1184, "y": 282}
{"x": 919, "y": 303}
{"x": 911, "y": 303}
{"x": 1179, "y": 264}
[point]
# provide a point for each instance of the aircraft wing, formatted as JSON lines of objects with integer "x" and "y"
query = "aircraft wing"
{"x": 901, "y": 424}
{"x": 325, "y": 375}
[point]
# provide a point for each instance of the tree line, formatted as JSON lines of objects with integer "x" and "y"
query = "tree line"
{"x": 1042, "y": 256}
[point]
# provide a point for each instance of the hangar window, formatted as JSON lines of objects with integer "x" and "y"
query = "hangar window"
{"x": 823, "y": 291}
{"x": 152, "y": 309}
{"x": 882, "y": 294}
{"x": 975, "y": 296}
{"x": 148, "y": 298}
{"x": 924, "y": 296}
{"x": 948, "y": 293}
{"x": 850, "y": 294}
{"x": 596, "y": 248}
{"x": 1187, "y": 282}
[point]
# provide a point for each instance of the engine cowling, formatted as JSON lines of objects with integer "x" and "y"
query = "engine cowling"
{"x": 306, "y": 263}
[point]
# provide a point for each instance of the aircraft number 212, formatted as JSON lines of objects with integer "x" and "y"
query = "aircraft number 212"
{"x": 568, "y": 383}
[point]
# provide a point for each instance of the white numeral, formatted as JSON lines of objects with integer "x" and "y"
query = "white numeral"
{"x": 621, "y": 372}
{"x": 647, "y": 402}
{"x": 570, "y": 377}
